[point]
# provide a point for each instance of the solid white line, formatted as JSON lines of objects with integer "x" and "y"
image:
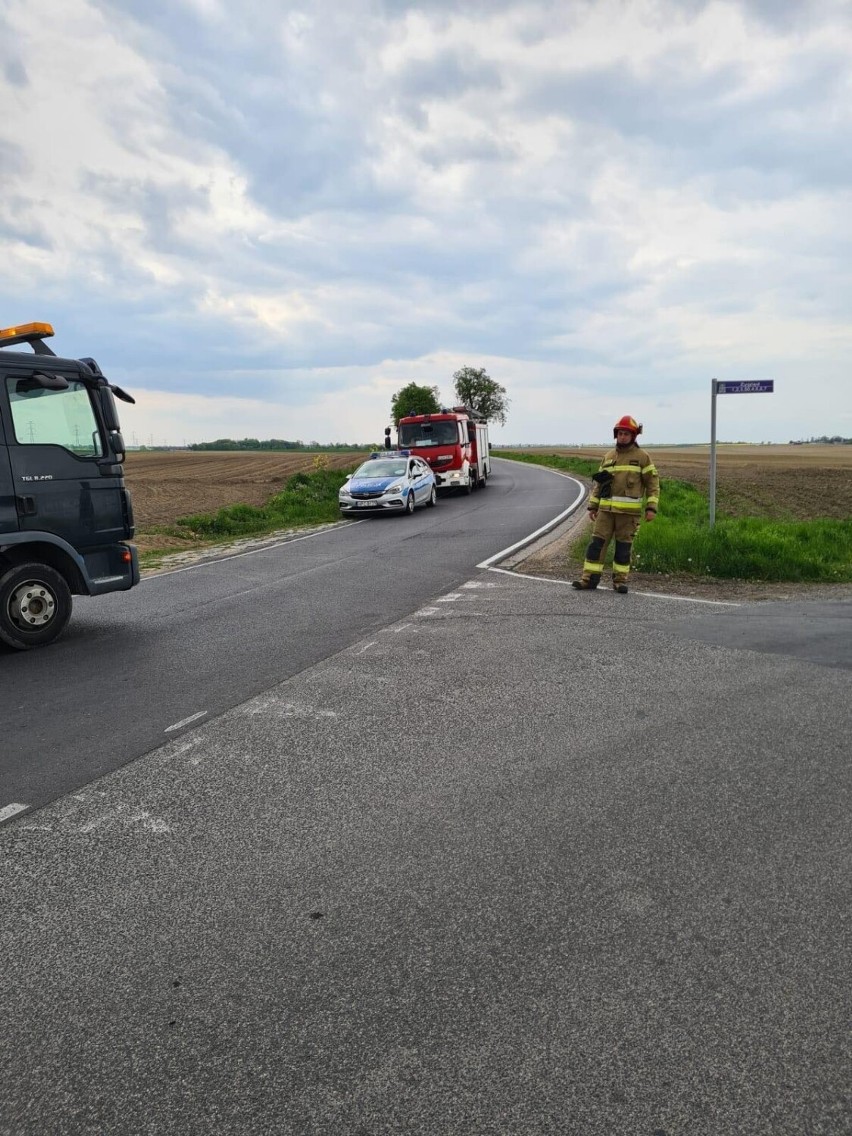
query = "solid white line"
{"x": 185, "y": 722}
{"x": 9, "y": 811}
{"x": 366, "y": 647}
{"x": 238, "y": 555}
{"x": 648, "y": 595}
{"x": 544, "y": 528}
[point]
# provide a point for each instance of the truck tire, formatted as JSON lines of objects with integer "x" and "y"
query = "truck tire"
{"x": 35, "y": 606}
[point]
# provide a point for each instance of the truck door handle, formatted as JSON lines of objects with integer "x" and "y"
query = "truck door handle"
{"x": 26, "y": 506}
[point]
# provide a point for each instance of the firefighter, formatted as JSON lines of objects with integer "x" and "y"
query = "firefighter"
{"x": 626, "y": 476}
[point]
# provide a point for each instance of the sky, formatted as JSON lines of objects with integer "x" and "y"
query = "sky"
{"x": 265, "y": 218}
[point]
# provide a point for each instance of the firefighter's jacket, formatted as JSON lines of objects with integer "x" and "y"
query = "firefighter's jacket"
{"x": 634, "y": 477}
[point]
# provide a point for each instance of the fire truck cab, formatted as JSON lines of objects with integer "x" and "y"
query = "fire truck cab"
{"x": 453, "y": 442}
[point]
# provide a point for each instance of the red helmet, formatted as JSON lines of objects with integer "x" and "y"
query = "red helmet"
{"x": 628, "y": 423}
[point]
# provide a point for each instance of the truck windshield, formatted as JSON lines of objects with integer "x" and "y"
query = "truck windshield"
{"x": 55, "y": 418}
{"x": 428, "y": 433}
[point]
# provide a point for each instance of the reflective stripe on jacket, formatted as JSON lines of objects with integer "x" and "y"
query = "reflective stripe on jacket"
{"x": 634, "y": 477}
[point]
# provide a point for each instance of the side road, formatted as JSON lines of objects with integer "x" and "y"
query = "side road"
{"x": 528, "y": 861}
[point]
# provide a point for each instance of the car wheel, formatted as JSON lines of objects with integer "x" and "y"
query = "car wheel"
{"x": 433, "y": 498}
{"x": 35, "y": 606}
{"x": 409, "y": 503}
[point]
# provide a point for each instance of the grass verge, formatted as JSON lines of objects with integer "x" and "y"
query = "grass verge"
{"x": 307, "y": 499}
{"x": 680, "y": 539}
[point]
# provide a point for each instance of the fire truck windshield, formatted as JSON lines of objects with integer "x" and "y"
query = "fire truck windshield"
{"x": 420, "y": 434}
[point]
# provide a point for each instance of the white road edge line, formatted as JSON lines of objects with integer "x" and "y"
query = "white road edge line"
{"x": 185, "y": 721}
{"x": 544, "y": 528}
{"x": 238, "y": 555}
{"x": 9, "y": 811}
{"x": 648, "y": 595}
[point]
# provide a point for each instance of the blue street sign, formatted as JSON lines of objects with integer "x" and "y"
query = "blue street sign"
{"x": 757, "y": 386}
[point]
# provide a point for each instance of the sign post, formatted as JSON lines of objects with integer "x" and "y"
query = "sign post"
{"x": 755, "y": 386}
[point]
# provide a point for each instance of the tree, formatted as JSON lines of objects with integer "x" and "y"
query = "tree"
{"x": 477, "y": 390}
{"x": 414, "y": 399}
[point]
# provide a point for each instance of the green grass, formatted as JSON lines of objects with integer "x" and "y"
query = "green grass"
{"x": 584, "y": 466}
{"x": 680, "y": 539}
{"x": 306, "y": 499}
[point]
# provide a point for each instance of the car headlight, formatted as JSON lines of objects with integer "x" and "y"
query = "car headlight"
{"x": 395, "y": 488}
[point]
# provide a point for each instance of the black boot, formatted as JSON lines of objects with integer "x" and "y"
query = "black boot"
{"x": 620, "y": 588}
{"x": 586, "y": 585}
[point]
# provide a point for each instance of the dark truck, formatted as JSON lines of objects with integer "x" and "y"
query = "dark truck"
{"x": 65, "y": 514}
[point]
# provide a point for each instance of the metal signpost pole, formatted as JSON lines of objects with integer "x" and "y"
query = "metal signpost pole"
{"x": 758, "y": 386}
{"x": 712, "y": 452}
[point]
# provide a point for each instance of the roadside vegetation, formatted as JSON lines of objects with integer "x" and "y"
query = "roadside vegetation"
{"x": 308, "y": 498}
{"x": 739, "y": 546}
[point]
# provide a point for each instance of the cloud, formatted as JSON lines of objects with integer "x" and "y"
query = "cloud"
{"x": 292, "y": 209}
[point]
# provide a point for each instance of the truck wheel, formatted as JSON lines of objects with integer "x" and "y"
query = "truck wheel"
{"x": 409, "y": 503}
{"x": 35, "y": 606}
{"x": 483, "y": 481}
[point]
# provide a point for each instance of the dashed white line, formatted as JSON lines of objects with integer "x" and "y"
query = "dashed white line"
{"x": 450, "y": 597}
{"x": 9, "y": 811}
{"x": 366, "y": 647}
{"x": 185, "y": 722}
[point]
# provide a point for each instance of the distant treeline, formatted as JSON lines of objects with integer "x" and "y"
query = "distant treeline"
{"x": 835, "y": 440}
{"x": 276, "y": 444}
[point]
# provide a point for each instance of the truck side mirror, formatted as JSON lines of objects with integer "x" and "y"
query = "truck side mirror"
{"x": 116, "y": 442}
{"x": 110, "y": 412}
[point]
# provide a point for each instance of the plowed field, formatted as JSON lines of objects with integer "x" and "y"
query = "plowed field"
{"x": 784, "y": 482}
{"x": 167, "y": 486}
{"x": 799, "y": 482}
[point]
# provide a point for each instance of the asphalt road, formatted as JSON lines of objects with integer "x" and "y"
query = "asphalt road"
{"x": 519, "y": 860}
{"x": 190, "y": 644}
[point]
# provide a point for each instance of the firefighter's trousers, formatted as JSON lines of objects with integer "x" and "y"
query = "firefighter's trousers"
{"x": 609, "y": 524}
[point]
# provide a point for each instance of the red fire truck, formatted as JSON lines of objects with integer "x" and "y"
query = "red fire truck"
{"x": 455, "y": 444}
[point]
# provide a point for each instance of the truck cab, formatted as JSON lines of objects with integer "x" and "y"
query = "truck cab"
{"x": 454, "y": 443}
{"x": 65, "y": 514}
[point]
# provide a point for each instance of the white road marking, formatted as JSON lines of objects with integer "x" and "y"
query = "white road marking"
{"x": 366, "y": 647}
{"x": 602, "y": 591}
{"x": 479, "y": 584}
{"x": 9, "y": 811}
{"x": 544, "y": 528}
{"x": 185, "y": 721}
{"x": 396, "y": 630}
{"x": 451, "y": 597}
{"x": 237, "y": 555}
{"x": 427, "y": 611}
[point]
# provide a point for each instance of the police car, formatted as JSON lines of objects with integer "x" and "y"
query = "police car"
{"x": 389, "y": 481}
